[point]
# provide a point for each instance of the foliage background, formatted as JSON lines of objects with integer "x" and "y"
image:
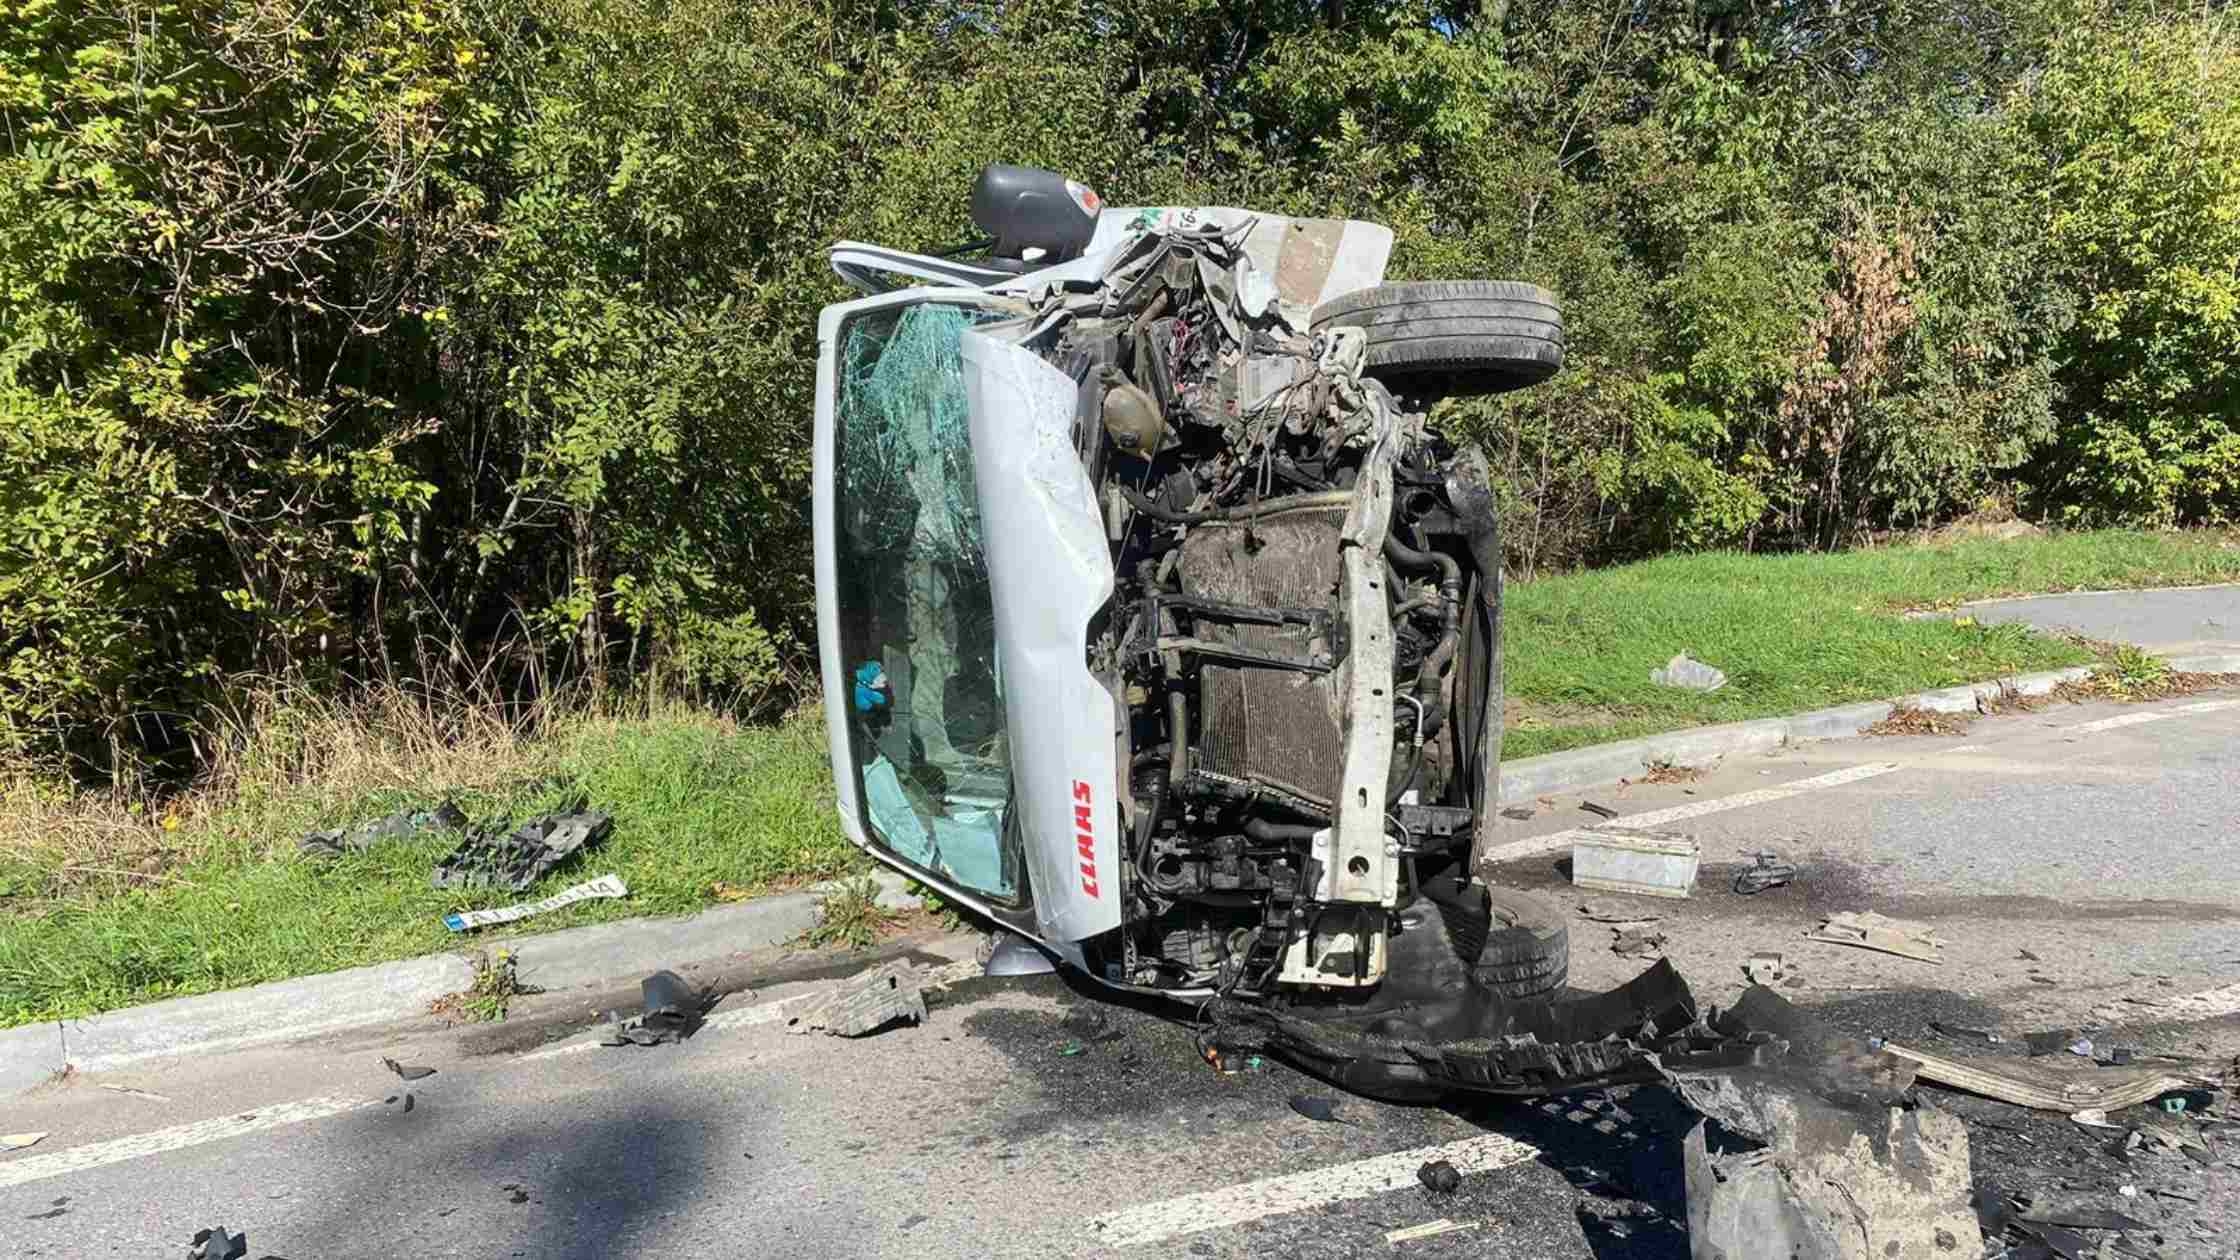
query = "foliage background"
{"x": 466, "y": 346}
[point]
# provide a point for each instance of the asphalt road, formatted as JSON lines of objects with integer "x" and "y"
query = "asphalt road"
{"x": 2102, "y": 840}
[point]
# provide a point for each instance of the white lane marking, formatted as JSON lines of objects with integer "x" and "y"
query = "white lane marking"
{"x": 96, "y": 1154}
{"x": 2134, "y": 719}
{"x": 1693, "y": 809}
{"x": 1274, "y": 1196}
{"x": 1429, "y": 1229}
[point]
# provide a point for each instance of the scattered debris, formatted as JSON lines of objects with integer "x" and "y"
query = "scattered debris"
{"x": 867, "y": 1004}
{"x": 515, "y": 1193}
{"x": 1440, "y": 1176}
{"x": 2046, "y": 1087}
{"x": 2093, "y": 1118}
{"x": 1429, "y": 1229}
{"x": 1766, "y": 870}
{"x": 19, "y": 1141}
{"x": 605, "y": 886}
{"x": 1689, "y": 674}
{"x": 2080, "y": 1216}
{"x": 1521, "y": 813}
{"x": 1763, "y": 967}
{"x": 1609, "y": 912}
{"x": 1662, "y": 771}
{"x": 489, "y": 856}
{"x": 1637, "y": 942}
{"x": 216, "y": 1244}
{"x": 1317, "y": 1108}
{"x": 1631, "y": 860}
{"x": 1906, "y": 719}
{"x": 1599, "y": 811}
{"x": 1088, "y": 1021}
{"x": 727, "y": 892}
{"x": 671, "y": 1010}
{"x": 407, "y": 1071}
{"x": 2025, "y": 955}
{"x": 1868, "y": 930}
{"x": 408, "y": 1102}
{"x": 1978, "y": 1035}
{"x": 403, "y": 824}
{"x": 148, "y": 1094}
{"x": 2049, "y": 1042}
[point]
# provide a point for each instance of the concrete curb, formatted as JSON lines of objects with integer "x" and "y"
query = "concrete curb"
{"x": 1607, "y": 763}
{"x": 386, "y": 993}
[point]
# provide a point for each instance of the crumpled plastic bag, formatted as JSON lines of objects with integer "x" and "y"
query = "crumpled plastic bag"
{"x": 1687, "y": 672}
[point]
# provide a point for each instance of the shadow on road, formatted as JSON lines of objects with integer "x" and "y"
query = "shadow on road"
{"x": 556, "y": 1181}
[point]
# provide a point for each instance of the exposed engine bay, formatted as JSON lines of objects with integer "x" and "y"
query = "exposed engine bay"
{"x": 1303, "y": 629}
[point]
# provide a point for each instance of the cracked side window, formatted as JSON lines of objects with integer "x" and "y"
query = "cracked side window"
{"x": 926, "y": 711}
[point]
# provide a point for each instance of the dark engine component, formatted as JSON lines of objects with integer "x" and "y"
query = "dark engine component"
{"x": 1277, "y": 726}
{"x": 1025, "y": 208}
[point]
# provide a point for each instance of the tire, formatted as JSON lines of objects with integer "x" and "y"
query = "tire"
{"x": 1528, "y": 948}
{"x": 1453, "y": 338}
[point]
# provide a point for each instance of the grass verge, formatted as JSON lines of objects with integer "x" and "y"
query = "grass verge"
{"x": 106, "y": 904}
{"x": 1804, "y": 631}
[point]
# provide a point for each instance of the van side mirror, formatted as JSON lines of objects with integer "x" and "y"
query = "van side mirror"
{"x": 1025, "y": 208}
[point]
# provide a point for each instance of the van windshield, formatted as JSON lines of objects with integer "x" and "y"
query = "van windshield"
{"x": 917, "y": 626}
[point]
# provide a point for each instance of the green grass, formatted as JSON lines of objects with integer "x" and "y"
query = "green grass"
{"x": 102, "y": 905}
{"x": 694, "y": 802}
{"x": 1802, "y": 631}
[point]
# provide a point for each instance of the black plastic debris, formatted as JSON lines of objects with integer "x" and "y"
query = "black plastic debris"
{"x": 490, "y": 857}
{"x": 1521, "y": 813}
{"x": 673, "y": 1012}
{"x": 408, "y": 1071}
{"x": 401, "y": 825}
{"x": 1314, "y": 1107}
{"x": 1599, "y": 811}
{"x": 515, "y": 1193}
{"x": 1088, "y": 1022}
{"x": 1439, "y": 1176}
{"x": 1767, "y": 870}
{"x": 216, "y": 1244}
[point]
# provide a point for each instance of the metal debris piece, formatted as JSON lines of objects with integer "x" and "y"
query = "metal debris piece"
{"x": 1634, "y": 860}
{"x": 2050, "y": 1041}
{"x": 408, "y": 1072}
{"x": 1767, "y": 870}
{"x": 1867, "y": 930}
{"x": 1610, "y": 912}
{"x": 401, "y": 825}
{"x": 18, "y": 1141}
{"x": 2025, "y": 955}
{"x": 148, "y": 1094}
{"x": 216, "y": 1244}
{"x": 1429, "y": 1229}
{"x": 866, "y": 1004}
{"x": 1637, "y": 943}
{"x": 1521, "y": 813}
{"x": 2046, "y": 1087}
{"x": 1599, "y": 811}
{"x": 1440, "y": 1176}
{"x": 1088, "y": 1021}
{"x": 1763, "y": 967}
{"x": 490, "y": 857}
{"x": 1317, "y": 1108}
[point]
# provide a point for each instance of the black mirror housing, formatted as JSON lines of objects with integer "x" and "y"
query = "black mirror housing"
{"x": 1025, "y": 208}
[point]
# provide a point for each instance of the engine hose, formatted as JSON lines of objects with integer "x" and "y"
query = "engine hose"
{"x": 1266, "y": 832}
{"x": 1244, "y": 511}
{"x": 1434, "y": 666}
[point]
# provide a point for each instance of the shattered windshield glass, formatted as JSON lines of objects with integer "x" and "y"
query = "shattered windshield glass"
{"x": 926, "y": 713}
